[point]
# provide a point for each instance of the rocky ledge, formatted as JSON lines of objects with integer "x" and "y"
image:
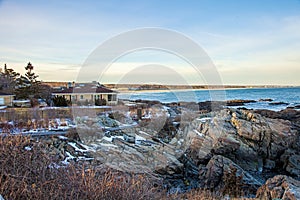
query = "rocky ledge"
{"x": 249, "y": 149}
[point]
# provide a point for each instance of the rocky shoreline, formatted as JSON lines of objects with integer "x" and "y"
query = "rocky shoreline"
{"x": 251, "y": 153}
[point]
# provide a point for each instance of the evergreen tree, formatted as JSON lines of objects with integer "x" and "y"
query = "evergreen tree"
{"x": 28, "y": 86}
{"x": 8, "y": 80}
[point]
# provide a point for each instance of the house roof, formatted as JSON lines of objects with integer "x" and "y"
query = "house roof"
{"x": 83, "y": 89}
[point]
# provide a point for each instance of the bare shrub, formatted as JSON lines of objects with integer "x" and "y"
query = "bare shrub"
{"x": 233, "y": 184}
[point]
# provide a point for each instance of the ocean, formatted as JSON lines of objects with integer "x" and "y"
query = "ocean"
{"x": 290, "y": 96}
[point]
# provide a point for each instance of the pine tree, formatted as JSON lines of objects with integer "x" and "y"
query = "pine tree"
{"x": 28, "y": 85}
{"x": 34, "y": 83}
{"x": 8, "y": 80}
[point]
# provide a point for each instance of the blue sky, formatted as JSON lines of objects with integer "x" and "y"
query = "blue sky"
{"x": 250, "y": 42}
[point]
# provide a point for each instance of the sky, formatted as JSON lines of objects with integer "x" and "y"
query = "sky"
{"x": 254, "y": 42}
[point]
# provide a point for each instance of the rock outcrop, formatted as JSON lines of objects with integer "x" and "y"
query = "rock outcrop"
{"x": 250, "y": 140}
{"x": 286, "y": 114}
{"x": 201, "y": 153}
{"x": 280, "y": 187}
{"x": 66, "y": 149}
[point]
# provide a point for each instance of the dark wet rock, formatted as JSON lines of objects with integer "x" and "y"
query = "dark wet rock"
{"x": 269, "y": 164}
{"x": 213, "y": 174}
{"x": 147, "y": 103}
{"x": 209, "y": 106}
{"x": 190, "y": 168}
{"x": 279, "y": 187}
{"x": 287, "y": 114}
{"x": 185, "y": 179}
{"x": 290, "y": 162}
{"x": 268, "y": 100}
{"x": 278, "y": 103}
{"x": 219, "y": 105}
{"x": 239, "y": 102}
{"x": 293, "y": 165}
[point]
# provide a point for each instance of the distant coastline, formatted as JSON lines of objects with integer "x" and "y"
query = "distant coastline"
{"x": 135, "y": 88}
{"x": 125, "y": 88}
{"x": 145, "y": 87}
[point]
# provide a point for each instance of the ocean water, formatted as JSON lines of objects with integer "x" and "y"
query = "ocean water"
{"x": 290, "y": 95}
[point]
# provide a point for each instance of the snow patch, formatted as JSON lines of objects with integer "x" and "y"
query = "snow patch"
{"x": 76, "y": 148}
{"x": 204, "y": 119}
{"x": 62, "y": 137}
{"x": 110, "y": 139}
{"x": 87, "y": 147}
{"x": 68, "y": 157}
{"x": 142, "y": 132}
{"x": 139, "y": 139}
{"x": 84, "y": 158}
{"x": 108, "y": 145}
{"x": 198, "y": 133}
{"x": 27, "y": 148}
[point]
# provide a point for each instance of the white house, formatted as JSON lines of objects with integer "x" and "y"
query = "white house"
{"x": 87, "y": 93}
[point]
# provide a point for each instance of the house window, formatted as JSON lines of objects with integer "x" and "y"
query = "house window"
{"x": 81, "y": 97}
{"x": 114, "y": 97}
{"x": 109, "y": 97}
{"x": 97, "y": 96}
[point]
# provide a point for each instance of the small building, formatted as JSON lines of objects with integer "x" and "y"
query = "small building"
{"x": 82, "y": 93}
{"x": 6, "y": 99}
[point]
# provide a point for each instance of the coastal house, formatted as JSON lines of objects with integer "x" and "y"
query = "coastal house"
{"x": 86, "y": 93}
{"x": 6, "y": 99}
